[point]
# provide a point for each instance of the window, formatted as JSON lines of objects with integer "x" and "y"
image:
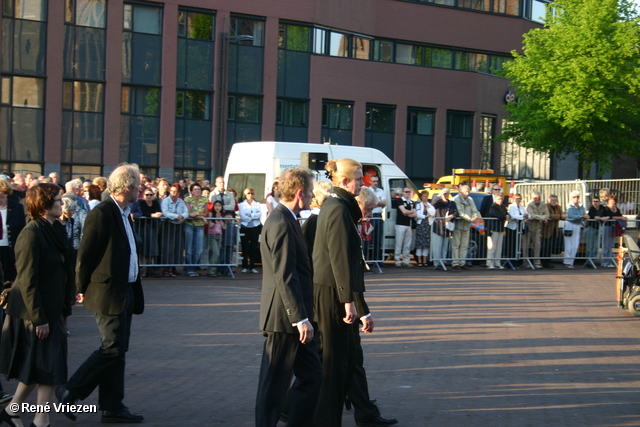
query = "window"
{"x": 86, "y": 13}
{"x": 193, "y": 105}
{"x": 336, "y": 116}
{"x": 295, "y": 37}
{"x": 195, "y": 26}
{"x": 319, "y": 41}
{"x": 339, "y": 44}
{"x": 83, "y": 96}
{"x": 420, "y": 122}
{"x": 361, "y": 47}
{"x": 409, "y": 54}
{"x": 142, "y": 45}
{"x": 441, "y": 58}
{"x": 487, "y": 129}
{"x": 291, "y": 112}
{"x": 380, "y": 118}
{"x": 247, "y": 31}
{"x": 244, "y": 109}
{"x": 459, "y": 124}
{"x": 383, "y": 51}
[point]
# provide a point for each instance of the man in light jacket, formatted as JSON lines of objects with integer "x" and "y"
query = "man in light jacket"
{"x": 467, "y": 213}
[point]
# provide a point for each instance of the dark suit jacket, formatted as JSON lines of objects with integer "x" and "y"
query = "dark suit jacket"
{"x": 102, "y": 270}
{"x": 16, "y": 221}
{"x": 287, "y": 286}
{"x": 337, "y": 252}
{"x": 40, "y": 290}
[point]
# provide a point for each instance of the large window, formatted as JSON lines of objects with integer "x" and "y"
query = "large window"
{"x": 337, "y": 122}
{"x": 291, "y": 120}
{"x": 82, "y": 122}
{"x": 419, "y": 147}
{"x": 140, "y": 102}
{"x": 195, "y": 70}
{"x": 23, "y": 75}
{"x": 487, "y": 130}
{"x": 83, "y": 91}
{"x": 380, "y": 127}
{"x": 246, "y": 65}
{"x": 458, "y": 141}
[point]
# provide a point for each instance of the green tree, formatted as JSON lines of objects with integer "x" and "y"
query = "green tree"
{"x": 577, "y": 83}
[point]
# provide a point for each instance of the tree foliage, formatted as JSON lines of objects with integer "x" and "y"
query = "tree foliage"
{"x": 578, "y": 83}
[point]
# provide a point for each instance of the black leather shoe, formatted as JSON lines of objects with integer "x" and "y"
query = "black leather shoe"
{"x": 378, "y": 421}
{"x": 65, "y": 397}
{"x": 121, "y": 416}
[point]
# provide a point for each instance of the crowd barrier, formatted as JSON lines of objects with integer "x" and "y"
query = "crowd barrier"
{"x": 525, "y": 243}
{"x": 161, "y": 243}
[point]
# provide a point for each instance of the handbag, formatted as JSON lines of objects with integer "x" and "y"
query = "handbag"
{"x": 619, "y": 229}
{"x": 450, "y": 225}
{"x": 568, "y": 233}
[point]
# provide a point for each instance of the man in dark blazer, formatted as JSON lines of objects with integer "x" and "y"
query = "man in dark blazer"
{"x": 108, "y": 284}
{"x": 286, "y": 310}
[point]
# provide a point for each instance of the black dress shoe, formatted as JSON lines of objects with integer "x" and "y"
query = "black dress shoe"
{"x": 121, "y": 416}
{"x": 65, "y": 397}
{"x": 6, "y": 418}
{"x": 378, "y": 421}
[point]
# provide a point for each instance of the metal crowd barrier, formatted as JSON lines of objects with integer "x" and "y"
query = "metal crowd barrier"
{"x": 161, "y": 243}
{"x": 373, "y": 241}
{"x": 525, "y": 244}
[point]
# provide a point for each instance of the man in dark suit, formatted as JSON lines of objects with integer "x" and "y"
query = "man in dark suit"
{"x": 286, "y": 310}
{"x": 108, "y": 284}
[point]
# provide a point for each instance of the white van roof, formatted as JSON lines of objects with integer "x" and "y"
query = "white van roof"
{"x": 293, "y": 150}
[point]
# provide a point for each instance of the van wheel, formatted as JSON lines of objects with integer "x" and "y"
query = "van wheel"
{"x": 634, "y": 305}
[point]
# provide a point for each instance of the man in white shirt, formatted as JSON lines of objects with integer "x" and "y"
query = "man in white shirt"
{"x": 219, "y": 193}
{"x": 378, "y": 223}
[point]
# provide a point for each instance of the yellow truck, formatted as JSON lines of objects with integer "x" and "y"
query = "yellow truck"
{"x": 458, "y": 176}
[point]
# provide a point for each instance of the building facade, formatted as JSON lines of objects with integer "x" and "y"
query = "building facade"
{"x": 87, "y": 84}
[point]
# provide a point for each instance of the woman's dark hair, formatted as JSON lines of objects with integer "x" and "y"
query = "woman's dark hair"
{"x": 40, "y": 198}
{"x": 94, "y": 192}
{"x": 192, "y": 186}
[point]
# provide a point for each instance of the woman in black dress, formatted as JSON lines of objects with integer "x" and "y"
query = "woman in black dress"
{"x": 338, "y": 287}
{"x": 34, "y": 343}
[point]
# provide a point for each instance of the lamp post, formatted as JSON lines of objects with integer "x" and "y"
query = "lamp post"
{"x": 223, "y": 92}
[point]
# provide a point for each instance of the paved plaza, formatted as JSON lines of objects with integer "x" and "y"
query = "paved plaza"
{"x": 476, "y": 348}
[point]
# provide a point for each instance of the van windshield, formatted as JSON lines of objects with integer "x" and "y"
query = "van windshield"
{"x": 396, "y": 185}
{"x": 240, "y": 181}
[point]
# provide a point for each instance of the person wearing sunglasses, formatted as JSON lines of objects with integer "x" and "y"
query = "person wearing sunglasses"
{"x": 250, "y": 228}
{"x": 404, "y": 219}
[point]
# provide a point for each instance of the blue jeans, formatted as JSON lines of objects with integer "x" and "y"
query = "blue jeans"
{"x": 593, "y": 241}
{"x": 194, "y": 236}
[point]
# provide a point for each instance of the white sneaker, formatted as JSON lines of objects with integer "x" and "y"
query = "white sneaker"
{"x": 491, "y": 267}
{"x": 253, "y": 270}
{"x": 244, "y": 270}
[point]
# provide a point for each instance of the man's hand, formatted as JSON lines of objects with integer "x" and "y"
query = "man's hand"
{"x": 367, "y": 324}
{"x": 42, "y": 331}
{"x": 350, "y": 310}
{"x": 306, "y": 332}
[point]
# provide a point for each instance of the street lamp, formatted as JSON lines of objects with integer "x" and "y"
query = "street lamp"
{"x": 223, "y": 92}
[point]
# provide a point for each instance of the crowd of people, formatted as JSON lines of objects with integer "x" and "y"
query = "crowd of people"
{"x": 528, "y": 235}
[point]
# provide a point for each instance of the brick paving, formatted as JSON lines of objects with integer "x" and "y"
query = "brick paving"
{"x": 476, "y": 348}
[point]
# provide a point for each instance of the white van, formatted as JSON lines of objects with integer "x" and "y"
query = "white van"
{"x": 258, "y": 164}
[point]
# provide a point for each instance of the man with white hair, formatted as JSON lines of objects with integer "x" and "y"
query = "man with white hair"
{"x": 108, "y": 283}
{"x": 538, "y": 214}
{"x": 75, "y": 187}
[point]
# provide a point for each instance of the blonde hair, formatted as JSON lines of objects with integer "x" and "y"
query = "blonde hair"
{"x": 6, "y": 187}
{"x": 338, "y": 170}
{"x": 321, "y": 190}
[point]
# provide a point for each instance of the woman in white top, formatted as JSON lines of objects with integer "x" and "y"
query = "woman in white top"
{"x": 517, "y": 215}
{"x": 274, "y": 198}
{"x": 250, "y": 228}
{"x": 424, "y": 218}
